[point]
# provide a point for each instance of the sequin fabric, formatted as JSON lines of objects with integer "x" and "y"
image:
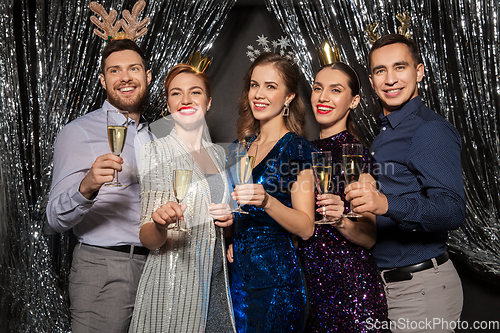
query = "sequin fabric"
{"x": 344, "y": 287}
{"x": 267, "y": 287}
{"x": 174, "y": 293}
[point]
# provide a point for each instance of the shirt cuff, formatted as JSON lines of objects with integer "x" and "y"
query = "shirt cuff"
{"x": 79, "y": 198}
{"x": 385, "y": 221}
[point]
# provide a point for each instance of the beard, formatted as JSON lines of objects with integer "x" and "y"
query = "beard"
{"x": 131, "y": 104}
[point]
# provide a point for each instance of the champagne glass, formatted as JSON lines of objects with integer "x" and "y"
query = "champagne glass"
{"x": 245, "y": 161}
{"x": 117, "y": 133}
{"x": 322, "y": 169}
{"x": 352, "y": 157}
{"x": 181, "y": 181}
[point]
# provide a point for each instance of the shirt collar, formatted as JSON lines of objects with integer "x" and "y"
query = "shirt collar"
{"x": 397, "y": 116}
{"x": 142, "y": 121}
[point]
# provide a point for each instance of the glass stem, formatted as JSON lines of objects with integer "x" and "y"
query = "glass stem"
{"x": 177, "y": 222}
{"x": 116, "y": 177}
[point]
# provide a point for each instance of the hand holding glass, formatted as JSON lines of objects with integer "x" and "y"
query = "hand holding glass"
{"x": 322, "y": 169}
{"x": 352, "y": 157}
{"x": 117, "y": 122}
{"x": 244, "y": 165}
{"x": 181, "y": 181}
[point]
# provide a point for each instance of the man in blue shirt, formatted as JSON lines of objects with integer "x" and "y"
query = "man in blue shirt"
{"x": 421, "y": 194}
{"x": 108, "y": 261}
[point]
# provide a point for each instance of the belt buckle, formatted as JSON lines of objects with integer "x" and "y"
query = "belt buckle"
{"x": 397, "y": 276}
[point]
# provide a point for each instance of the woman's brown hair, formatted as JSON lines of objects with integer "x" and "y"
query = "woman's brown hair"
{"x": 247, "y": 125}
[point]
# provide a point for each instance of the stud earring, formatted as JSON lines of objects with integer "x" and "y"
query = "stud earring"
{"x": 286, "y": 110}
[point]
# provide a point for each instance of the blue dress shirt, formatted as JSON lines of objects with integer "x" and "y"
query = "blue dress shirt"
{"x": 112, "y": 217}
{"x": 418, "y": 152}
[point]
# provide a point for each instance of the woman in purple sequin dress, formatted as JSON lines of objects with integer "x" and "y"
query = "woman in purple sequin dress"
{"x": 344, "y": 286}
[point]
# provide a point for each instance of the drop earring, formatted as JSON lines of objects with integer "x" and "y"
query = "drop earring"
{"x": 286, "y": 110}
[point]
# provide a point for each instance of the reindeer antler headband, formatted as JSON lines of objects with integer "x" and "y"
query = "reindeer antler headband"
{"x": 403, "y": 18}
{"x": 132, "y": 28}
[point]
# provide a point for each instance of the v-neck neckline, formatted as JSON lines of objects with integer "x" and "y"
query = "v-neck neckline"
{"x": 270, "y": 151}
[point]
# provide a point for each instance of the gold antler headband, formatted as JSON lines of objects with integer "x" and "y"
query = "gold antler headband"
{"x": 132, "y": 28}
{"x": 370, "y": 32}
{"x": 403, "y": 18}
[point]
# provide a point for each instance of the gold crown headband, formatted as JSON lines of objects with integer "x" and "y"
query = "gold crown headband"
{"x": 403, "y": 18}
{"x": 327, "y": 55}
{"x": 132, "y": 28}
{"x": 198, "y": 62}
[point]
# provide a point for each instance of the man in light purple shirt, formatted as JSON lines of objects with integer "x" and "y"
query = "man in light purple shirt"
{"x": 109, "y": 258}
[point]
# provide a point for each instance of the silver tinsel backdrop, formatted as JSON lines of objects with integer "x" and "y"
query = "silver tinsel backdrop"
{"x": 50, "y": 65}
{"x": 459, "y": 44}
{"x": 49, "y": 59}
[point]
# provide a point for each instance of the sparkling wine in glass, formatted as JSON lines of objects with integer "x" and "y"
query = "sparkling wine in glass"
{"x": 181, "y": 181}
{"x": 322, "y": 169}
{"x": 245, "y": 161}
{"x": 117, "y": 133}
{"x": 352, "y": 159}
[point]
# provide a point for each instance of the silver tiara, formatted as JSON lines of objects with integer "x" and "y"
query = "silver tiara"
{"x": 281, "y": 45}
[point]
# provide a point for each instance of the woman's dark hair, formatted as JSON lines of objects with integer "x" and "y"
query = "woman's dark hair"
{"x": 247, "y": 125}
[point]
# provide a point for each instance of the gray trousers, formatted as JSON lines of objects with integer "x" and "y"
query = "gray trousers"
{"x": 102, "y": 288}
{"x": 430, "y": 302}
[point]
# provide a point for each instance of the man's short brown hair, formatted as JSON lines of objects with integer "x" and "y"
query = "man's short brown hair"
{"x": 121, "y": 45}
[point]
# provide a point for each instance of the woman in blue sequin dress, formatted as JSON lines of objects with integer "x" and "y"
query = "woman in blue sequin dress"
{"x": 267, "y": 288}
{"x": 345, "y": 290}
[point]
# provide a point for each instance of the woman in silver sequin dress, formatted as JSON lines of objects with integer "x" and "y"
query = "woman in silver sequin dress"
{"x": 184, "y": 285}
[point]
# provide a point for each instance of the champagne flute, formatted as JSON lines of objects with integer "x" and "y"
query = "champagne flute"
{"x": 352, "y": 157}
{"x": 244, "y": 165}
{"x": 117, "y": 122}
{"x": 322, "y": 169}
{"x": 181, "y": 181}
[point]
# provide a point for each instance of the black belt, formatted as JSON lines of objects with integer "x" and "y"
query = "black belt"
{"x": 124, "y": 248}
{"x": 406, "y": 273}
